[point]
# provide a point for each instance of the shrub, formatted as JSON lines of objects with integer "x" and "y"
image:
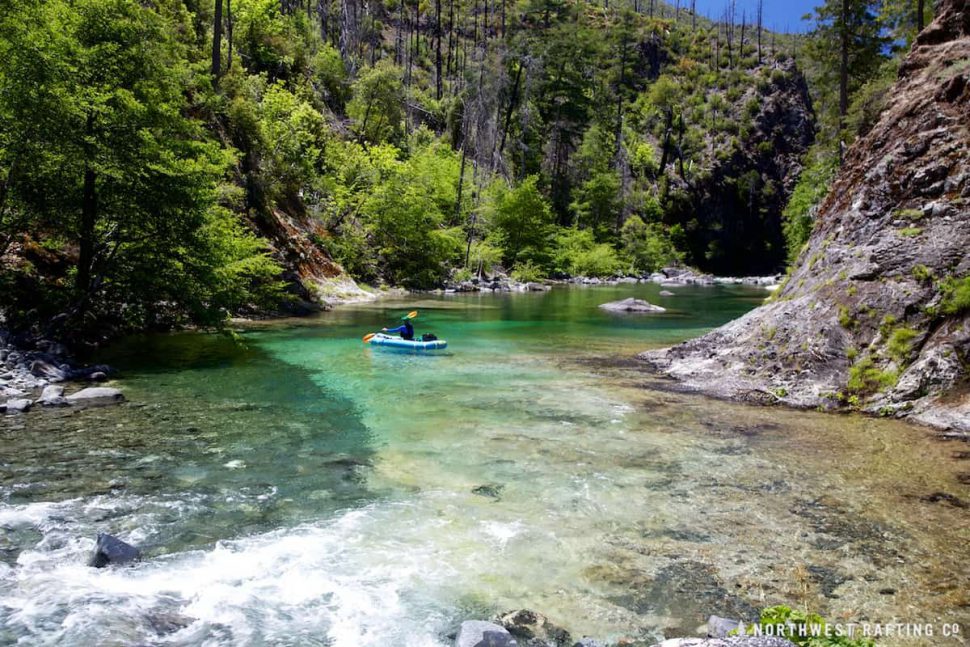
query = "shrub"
{"x": 865, "y": 378}
{"x": 956, "y": 296}
{"x": 807, "y": 629}
{"x": 578, "y": 254}
{"x": 900, "y": 343}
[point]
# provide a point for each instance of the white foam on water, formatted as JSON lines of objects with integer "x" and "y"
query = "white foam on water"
{"x": 369, "y": 577}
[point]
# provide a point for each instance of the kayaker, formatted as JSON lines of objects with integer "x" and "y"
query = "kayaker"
{"x": 406, "y": 330}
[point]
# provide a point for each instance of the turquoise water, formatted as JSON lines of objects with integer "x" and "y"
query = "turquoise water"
{"x": 293, "y": 486}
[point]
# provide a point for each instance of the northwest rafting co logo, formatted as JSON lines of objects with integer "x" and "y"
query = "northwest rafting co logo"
{"x": 852, "y": 630}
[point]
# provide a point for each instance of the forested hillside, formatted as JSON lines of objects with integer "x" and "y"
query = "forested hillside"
{"x": 172, "y": 162}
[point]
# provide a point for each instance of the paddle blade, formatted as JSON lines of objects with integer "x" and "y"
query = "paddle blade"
{"x": 412, "y": 314}
{"x": 369, "y": 337}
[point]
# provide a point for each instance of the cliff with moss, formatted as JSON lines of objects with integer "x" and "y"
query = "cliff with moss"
{"x": 875, "y": 315}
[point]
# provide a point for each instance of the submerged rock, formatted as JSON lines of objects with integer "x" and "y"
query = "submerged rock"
{"x": 478, "y": 633}
{"x": 96, "y": 395}
{"x": 489, "y": 490}
{"x": 534, "y": 628}
{"x": 111, "y": 550}
{"x": 631, "y": 305}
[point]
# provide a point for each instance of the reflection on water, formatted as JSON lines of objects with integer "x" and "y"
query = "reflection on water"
{"x": 299, "y": 488}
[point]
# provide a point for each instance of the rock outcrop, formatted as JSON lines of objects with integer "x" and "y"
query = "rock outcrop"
{"x": 876, "y": 314}
{"x": 731, "y": 205}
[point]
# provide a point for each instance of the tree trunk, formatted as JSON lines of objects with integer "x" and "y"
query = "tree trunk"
{"x": 217, "y": 43}
{"x": 437, "y": 56}
{"x": 512, "y": 101}
{"x": 229, "y": 33}
{"x": 843, "y": 73}
{"x": 920, "y": 20}
{"x": 89, "y": 218}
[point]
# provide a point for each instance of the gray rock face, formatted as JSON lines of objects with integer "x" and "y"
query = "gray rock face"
{"x": 43, "y": 369}
{"x": 19, "y": 405}
{"x": 478, "y": 633}
{"x": 632, "y": 305}
{"x": 96, "y": 395}
{"x": 868, "y": 297}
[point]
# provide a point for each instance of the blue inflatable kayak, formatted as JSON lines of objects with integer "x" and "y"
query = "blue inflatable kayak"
{"x": 380, "y": 339}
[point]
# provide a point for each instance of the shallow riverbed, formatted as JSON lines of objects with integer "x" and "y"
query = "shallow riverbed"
{"x": 294, "y": 487}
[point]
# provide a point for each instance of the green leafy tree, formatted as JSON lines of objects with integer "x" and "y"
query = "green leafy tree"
{"x": 377, "y": 104}
{"x": 523, "y": 219}
{"x": 99, "y": 153}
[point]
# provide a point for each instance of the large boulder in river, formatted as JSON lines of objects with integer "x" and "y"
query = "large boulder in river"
{"x": 632, "y": 305}
{"x": 478, "y": 633}
{"x": 96, "y": 395}
{"x": 111, "y": 550}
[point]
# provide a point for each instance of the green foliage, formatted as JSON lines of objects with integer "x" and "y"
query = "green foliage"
{"x": 578, "y": 254}
{"x": 98, "y": 150}
{"x": 956, "y": 295}
{"x": 377, "y": 104}
{"x": 865, "y": 378}
{"x": 812, "y": 186}
{"x": 527, "y": 272}
{"x": 806, "y": 629}
{"x": 922, "y": 273}
{"x": 648, "y": 246}
{"x": 523, "y": 221}
{"x": 900, "y": 343}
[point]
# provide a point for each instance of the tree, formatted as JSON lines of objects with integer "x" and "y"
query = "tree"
{"x": 94, "y": 99}
{"x": 524, "y": 220}
{"x": 847, "y": 46}
{"x": 217, "y": 42}
{"x": 377, "y": 104}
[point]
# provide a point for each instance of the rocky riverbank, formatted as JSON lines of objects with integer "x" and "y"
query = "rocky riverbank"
{"x": 875, "y": 316}
{"x": 36, "y": 373}
{"x": 668, "y": 276}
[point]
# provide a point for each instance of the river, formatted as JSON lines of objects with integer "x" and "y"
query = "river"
{"x": 291, "y": 486}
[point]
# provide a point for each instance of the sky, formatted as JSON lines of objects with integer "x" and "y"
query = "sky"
{"x": 780, "y": 15}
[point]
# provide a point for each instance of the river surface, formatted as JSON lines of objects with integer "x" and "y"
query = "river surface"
{"x": 294, "y": 487}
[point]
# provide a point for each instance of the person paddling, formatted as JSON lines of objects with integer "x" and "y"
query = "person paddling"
{"x": 406, "y": 330}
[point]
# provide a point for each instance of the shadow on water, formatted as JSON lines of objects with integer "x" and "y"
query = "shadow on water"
{"x": 239, "y": 443}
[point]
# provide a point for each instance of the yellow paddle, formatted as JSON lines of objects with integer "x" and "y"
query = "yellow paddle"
{"x": 411, "y": 315}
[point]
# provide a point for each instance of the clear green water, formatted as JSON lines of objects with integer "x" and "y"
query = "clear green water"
{"x": 298, "y": 488}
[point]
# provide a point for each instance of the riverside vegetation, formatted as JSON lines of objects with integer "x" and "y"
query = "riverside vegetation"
{"x": 178, "y": 162}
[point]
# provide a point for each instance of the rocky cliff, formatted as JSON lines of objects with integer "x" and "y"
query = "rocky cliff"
{"x": 731, "y": 210}
{"x": 876, "y": 313}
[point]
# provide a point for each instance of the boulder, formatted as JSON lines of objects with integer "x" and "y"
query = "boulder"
{"x": 588, "y": 642}
{"x": 478, "y": 633}
{"x": 111, "y": 550}
{"x": 98, "y": 376}
{"x": 530, "y": 625}
{"x": 19, "y": 405}
{"x": 667, "y": 293}
{"x": 631, "y": 305}
{"x": 96, "y": 395}
{"x": 52, "y": 396}
{"x": 46, "y": 370}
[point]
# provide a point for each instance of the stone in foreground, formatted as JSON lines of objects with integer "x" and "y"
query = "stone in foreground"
{"x": 111, "y": 550}
{"x": 632, "y": 305}
{"x": 478, "y": 633}
{"x": 96, "y": 395}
